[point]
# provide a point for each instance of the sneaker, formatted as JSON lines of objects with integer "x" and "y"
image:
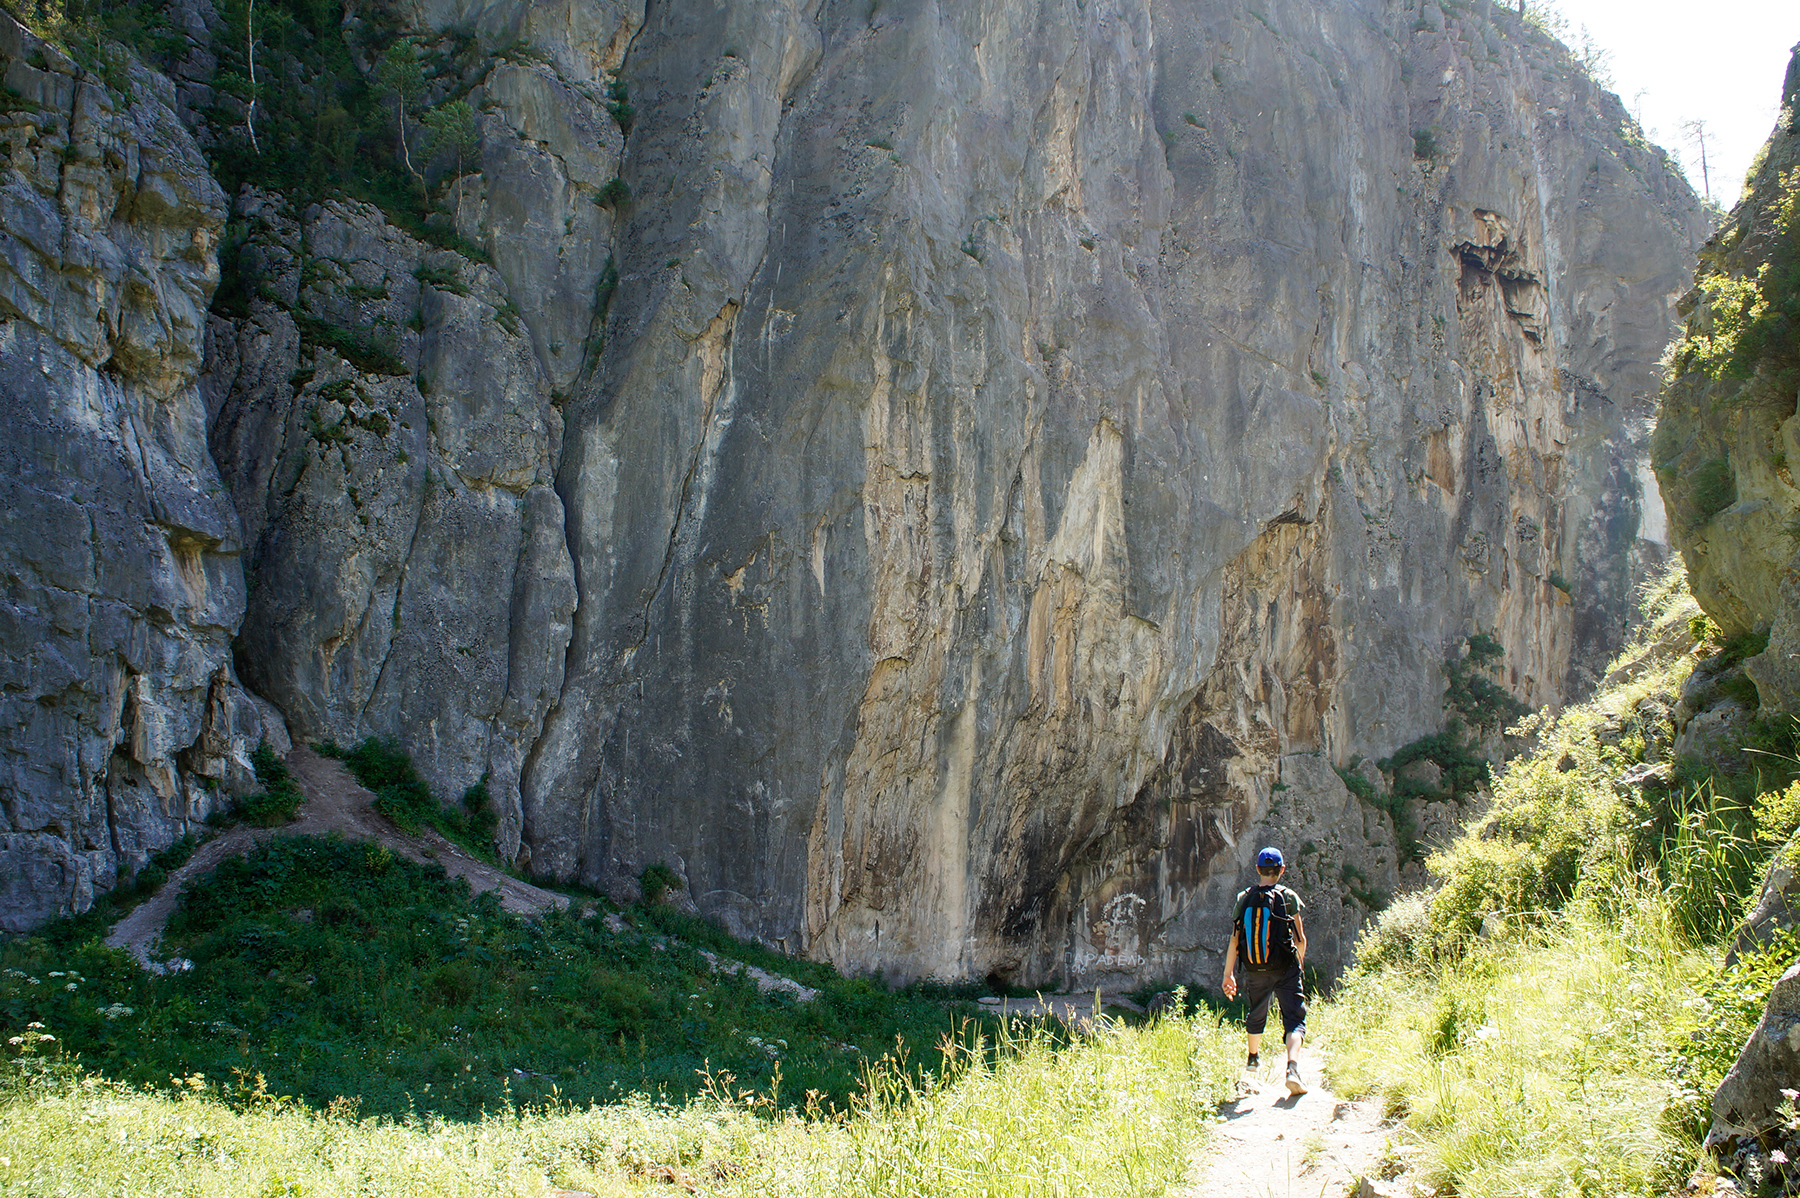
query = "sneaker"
{"x": 1254, "y": 1062}
{"x": 1295, "y": 1086}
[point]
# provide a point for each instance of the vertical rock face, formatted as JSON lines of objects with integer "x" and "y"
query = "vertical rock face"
{"x": 980, "y": 470}
{"x": 1728, "y": 440}
{"x": 1030, "y": 433}
{"x": 118, "y": 545}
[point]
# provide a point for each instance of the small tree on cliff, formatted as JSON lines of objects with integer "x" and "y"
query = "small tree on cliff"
{"x": 401, "y": 77}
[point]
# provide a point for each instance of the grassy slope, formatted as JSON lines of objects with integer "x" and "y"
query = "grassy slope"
{"x": 1553, "y": 1020}
{"x": 354, "y": 1023}
{"x": 331, "y": 967}
{"x": 1115, "y": 1113}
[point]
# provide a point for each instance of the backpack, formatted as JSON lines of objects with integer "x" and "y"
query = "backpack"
{"x": 1267, "y": 929}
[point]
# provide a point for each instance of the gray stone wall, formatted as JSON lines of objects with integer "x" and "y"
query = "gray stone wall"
{"x": 1028, "y": 447}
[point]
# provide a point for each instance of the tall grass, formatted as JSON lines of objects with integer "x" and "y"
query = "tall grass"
{"x": 1536, "y": 1064}
{"x": 1554, "y": 1017}
{"x": 1027, "y": 1113}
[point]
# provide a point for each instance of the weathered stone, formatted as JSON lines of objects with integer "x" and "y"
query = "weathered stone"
{"x": 1019, "y": 430}
{"x": 1750, "y": 1099}
{"x": 1775, "y": 907}
{"x": 410, "y": 573}
{"x": 1726, "y": 447}
{"x": 121, "y": 723}
{"x": 1027, "y": 449}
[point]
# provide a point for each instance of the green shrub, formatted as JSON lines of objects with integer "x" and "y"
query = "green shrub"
{"x": 270, "y": 807}
{"x": 616, "y": 194}
{"x": 1425, "y": 144}
{"x": 333, "y": 967}
{"x": 441, "y": 277}
{"x": 1712, "y": 489}
{"x": 618, "y": 103}
{"x": 657, "y": 880}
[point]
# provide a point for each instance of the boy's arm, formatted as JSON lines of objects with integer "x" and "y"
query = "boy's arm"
{"x": 1299, "y": 940}
{"x": 1229, "y": 985}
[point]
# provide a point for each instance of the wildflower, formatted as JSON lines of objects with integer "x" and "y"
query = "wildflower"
{"x": 71, "y": 987}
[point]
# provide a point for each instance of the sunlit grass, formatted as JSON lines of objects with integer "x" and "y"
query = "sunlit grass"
{"x": 1536, "y": 1064}
{"x": 1115, "y": 1112}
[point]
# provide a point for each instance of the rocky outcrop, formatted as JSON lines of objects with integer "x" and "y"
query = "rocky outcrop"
{"x": 1728, "y": 439}
{"x": 1078, "y": 418}
{"x": 949, "y": 481}
{"x": 121, "y": 717}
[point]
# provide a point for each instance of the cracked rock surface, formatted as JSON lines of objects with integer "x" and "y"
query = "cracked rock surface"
{"x": 983, "y": 469}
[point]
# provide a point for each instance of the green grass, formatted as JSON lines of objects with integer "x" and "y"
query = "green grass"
{"x": 401, "y": 795}
{"x": 1535, "y": 1065}
{"x": 1021, "y": 1112}
{"x": 1553, "y": 1017}
{"x": 334, "y": 968}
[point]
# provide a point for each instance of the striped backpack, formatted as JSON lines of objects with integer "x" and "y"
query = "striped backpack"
{"x": 1267, "y": 929}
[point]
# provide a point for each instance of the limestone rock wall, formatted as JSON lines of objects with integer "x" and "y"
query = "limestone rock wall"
{"x": 1728, "y": 439}
{"x": 1044, "y": 427}
{"x": 120, "y": 716}
{"x": 1028, "y": 446}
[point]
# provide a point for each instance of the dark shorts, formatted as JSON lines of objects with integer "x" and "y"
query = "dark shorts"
{"x": 1257, "y": 988}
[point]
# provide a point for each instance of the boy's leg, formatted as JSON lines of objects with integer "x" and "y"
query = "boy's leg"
{"x": 1258, "y": 991}
{"x": 1292, "y": 994}
{"x": 1293, "y": 1022}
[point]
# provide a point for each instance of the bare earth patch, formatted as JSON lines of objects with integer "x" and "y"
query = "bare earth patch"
{"x": 335, "y": 802}
{"x": 1271, "y": 1144}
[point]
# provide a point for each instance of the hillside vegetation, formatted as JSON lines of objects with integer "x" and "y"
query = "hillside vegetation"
{"x": 1554, "y": 1018}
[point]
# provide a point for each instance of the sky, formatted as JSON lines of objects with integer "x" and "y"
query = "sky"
{"x": 1718, "y": 61}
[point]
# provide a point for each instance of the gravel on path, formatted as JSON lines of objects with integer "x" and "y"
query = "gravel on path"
{"x": 1271, "y": 1144}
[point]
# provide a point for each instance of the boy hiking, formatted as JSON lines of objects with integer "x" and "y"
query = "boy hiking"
{"x": 1266, "y": 931}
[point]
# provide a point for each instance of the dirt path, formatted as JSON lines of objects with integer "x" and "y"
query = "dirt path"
{"x": 335, "y": 802}
{"x": 1271, "y": 1144}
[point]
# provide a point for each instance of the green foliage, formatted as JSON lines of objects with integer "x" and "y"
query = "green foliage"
{"x": 507, "y": 316}
{"x": 333, "y": 967}
{"x": 1711, "y": 490}
{"x": 1024, "y": 1110}
{"x": 1534, "y": 1065}
{"x": 1425, "y": 144}
{"x": 1472, "y": 697}
{"x": 1752, "y": 321}
{"x": 657, "y": 880}
{"x": 443, "y": 278}
{"x": 270, "y": 807}
{"x": 616, "y": 194}
{"x": 618, "y": 103}
{"x": 1359, "y": 786}
{"x": 363, "y": 348}
{"x": 1567, "y": 963}
{"x": 450, "y": 130}
{"x": 385, "y": 768}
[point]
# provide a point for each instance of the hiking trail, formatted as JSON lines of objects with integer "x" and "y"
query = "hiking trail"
{"x": 335, "y": 802}
{"x": 1270, "y": 1144}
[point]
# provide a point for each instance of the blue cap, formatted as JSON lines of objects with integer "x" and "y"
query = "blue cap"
{"x": 1270, "y": 858}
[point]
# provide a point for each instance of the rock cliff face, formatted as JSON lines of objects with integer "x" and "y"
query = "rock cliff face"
{"x": 980, "y": 469}
{"x": 1728, "y": 440}
{"x": 118, "y": 545}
